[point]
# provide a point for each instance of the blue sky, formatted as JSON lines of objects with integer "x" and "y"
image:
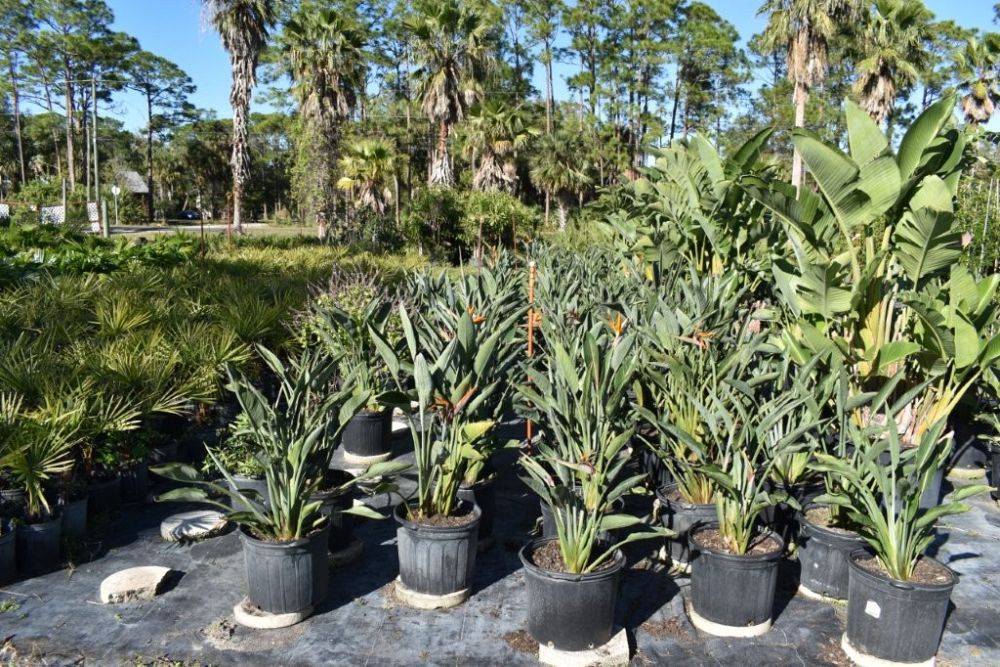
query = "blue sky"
{"x": 175, "y": 30}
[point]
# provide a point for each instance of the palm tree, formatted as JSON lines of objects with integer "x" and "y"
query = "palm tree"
{"x": 977, "y": 65}
{"x": 558, "y": 168}
{"x": 803, "y": 29}
{"x": 243, "y": 27}
{"x": 370, "y": 169}
{"x": 494, "y": 132}
{"x": 451, "y": 46}
{"x": 892, "y": 49}
{"x": 325, "y": 59}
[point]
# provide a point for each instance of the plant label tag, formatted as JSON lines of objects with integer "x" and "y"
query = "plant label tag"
{"x": 872, "y": 609}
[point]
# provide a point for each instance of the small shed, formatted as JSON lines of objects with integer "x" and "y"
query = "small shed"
{"x": 132, "y": 181}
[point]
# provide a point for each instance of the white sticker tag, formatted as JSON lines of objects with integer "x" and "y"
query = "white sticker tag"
{"x": 872, "y": 609}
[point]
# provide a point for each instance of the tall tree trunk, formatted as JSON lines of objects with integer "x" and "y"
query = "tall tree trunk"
{"x": 70, "y": 161}
{"x": 55, "y": 135}
{"x": 562, "y": 210}
{"x": 549, "y": 95}
{"x": 441, "y": 170}
{"x": 677, "y": 101}
{"x": 239, "y": 98}
{"x": 149, "y": 156}
{"x": 16, "y": 95}
{"x": 801, "y": 95}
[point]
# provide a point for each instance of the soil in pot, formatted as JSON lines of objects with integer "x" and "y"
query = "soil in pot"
{"x": 74, "y": 516}
{"x": 367, "y": 435}
{"x": 104, "y": 494}
{"x": 682, "y": 517}
{"x": 437, "y": 554}
{"x": 8, "y": 558}
{"x": 286, "y": 577}
{"x": 898, "y": 621}
{"x": 732, "y": 595}
{"x": 824, "y": 554}
{"x": 572, "y": 612}
{"x": 38, "y": 546}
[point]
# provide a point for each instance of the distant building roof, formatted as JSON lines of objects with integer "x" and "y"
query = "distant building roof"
{"x": 133, "y": 182}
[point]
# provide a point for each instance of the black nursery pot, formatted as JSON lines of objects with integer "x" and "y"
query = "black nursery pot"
{"x": 332, "y": 507}
{"x": 824, "y": 554}
{"x": 483, "y": 495}
{"x": 732, "y": 595}
{"x": 897, "y": 621}
{"x": 437, "y": 560}
{"x": 74, "y": 517}
{"x": 104, "y": 496}
{"x": 681, "y": 517}
{"x": 287, "y": 577}
{"x": 8, "y": 561}
{"x": 135, "y": 483}
{"x": 367, "y": 435}
{"x": 782, "y": 518}
{"x": 968, "y": 453}
{"x": 994, "y": 470}
{"x": 38, "y": 546}
{"x": 572, "y": 612}
{"x": 252, "y": 484}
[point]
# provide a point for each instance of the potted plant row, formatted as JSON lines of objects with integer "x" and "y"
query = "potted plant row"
{"x": 453, "y": 369}
{"x": 898, "y": 596}
{"x": 285, "y": 541}
{"x": 578, "y": 469}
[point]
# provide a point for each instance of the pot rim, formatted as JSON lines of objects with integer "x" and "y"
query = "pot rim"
{"x": 528, "y": 550}
{"x": 858, "y": 554}
{"x": 661, "y": 495}
{"x": 54, "y": 520}
{"x": 365, "y": 413}
{"x": 848, "y": 535}
{"x": 742, "y": 558}
{"x": 397, "y": 513}
{"x": 277, "y": 545}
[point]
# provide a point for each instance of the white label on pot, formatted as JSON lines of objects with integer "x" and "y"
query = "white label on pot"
{"x": 872, "y": 609}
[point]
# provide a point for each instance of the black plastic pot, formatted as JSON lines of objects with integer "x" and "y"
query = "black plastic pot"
{"x": 38, "y": 546}
{"x": 681, "y": 517}
{"x": 333, "y": 506}
{"x": 368, "y": 434}
{"x": 104, "y": 496}
{"x": 895, "y": 620}
{"x": 286, "y": 577}
{"x": 253, "y": 484}
{"x": 824, "y": 555}
{"x": 8, "y": 559}
{"x": 734, "y": 593}
{"x": 572, "y": 612}
{"x": 167, "y": 453}
{"x": 968, "y": 451}
{"x": 994, "y": 470}
{"x": 74, "y": 517}
{"x": 13, "y": 500}
{"x": 782, "y": 518}
{"x": 437, "y": 560}
{"x": 135, "y": 483}
{"x": 483, "y": 495}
